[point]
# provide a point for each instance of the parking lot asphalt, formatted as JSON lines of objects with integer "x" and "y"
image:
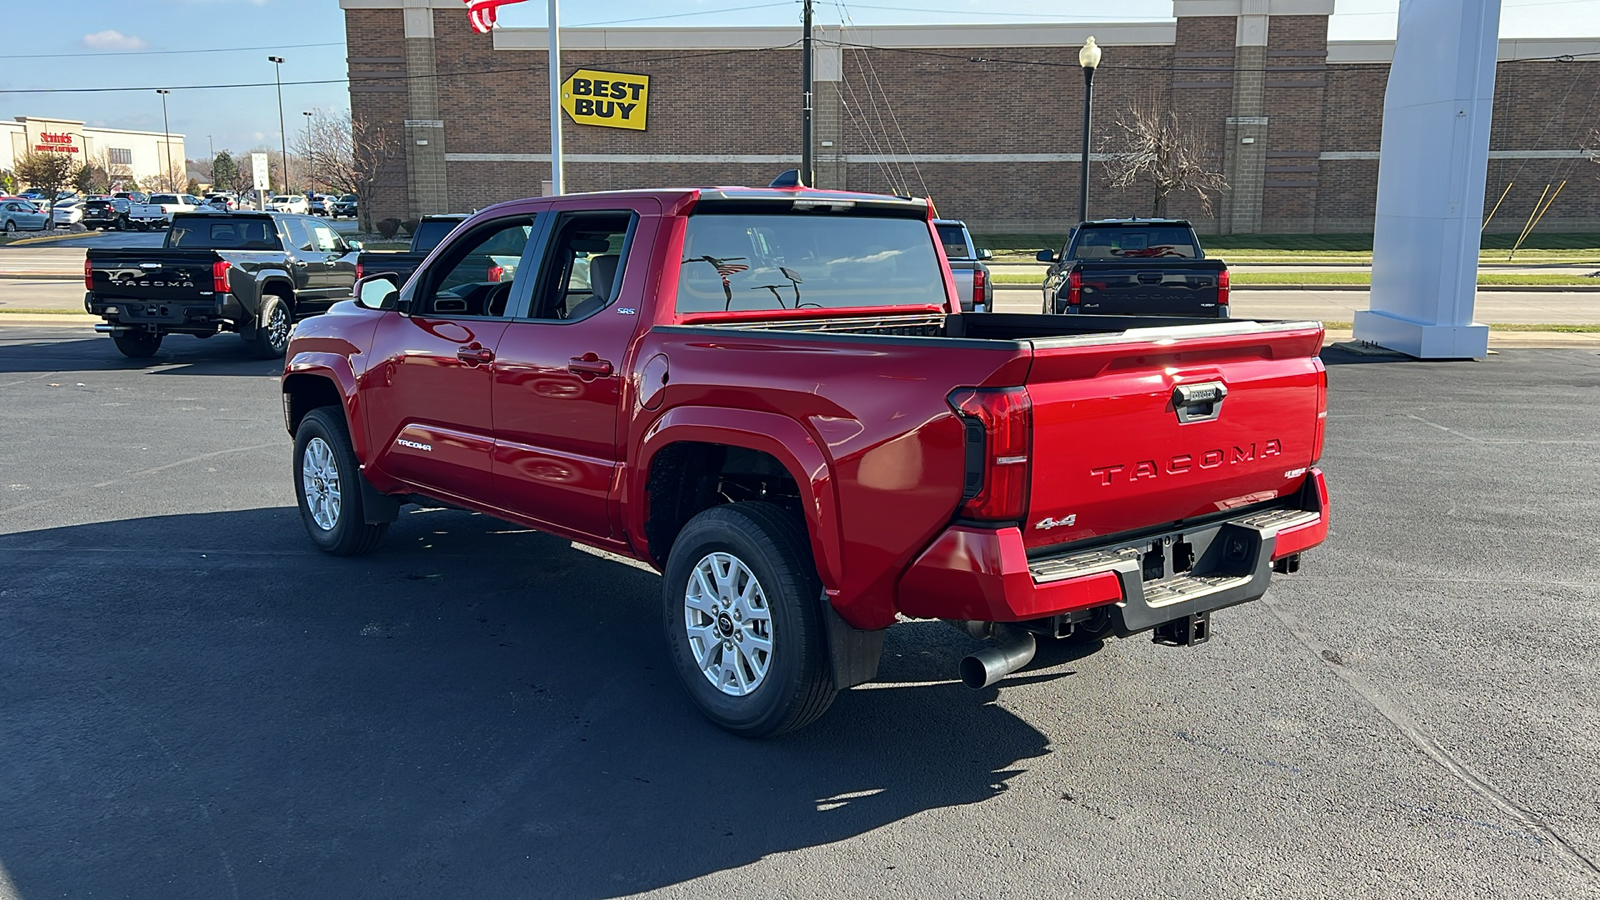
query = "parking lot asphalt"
{"x": 196, "y": 703}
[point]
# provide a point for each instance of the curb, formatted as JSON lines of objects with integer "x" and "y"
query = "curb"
{"x": 42, "y": 276}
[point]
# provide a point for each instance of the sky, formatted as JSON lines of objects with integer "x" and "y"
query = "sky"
{"x": 148, "y": 44}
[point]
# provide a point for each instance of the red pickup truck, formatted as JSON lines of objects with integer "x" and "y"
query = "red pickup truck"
{"x": 770, "y": 395}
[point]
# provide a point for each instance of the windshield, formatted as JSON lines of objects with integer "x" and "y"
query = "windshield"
{"x": 222, "y": 233}
{"x": 807, "y": 260}
{"x": 1139, "y": 242}
{"x": 429, "y": 234}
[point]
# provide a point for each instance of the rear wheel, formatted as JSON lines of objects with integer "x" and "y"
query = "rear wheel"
{"x": 743, "y": 616}
{"x": 137, "y": 344}
{"x": 272, "y": 329}
{"x": 327, "y": 486}
{"x": 11, "y": 227}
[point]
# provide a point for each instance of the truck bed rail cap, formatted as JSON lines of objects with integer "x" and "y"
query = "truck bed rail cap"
{"x": 1173, "y": 333}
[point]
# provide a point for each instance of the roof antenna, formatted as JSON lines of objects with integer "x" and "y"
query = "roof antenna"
{"x": 787, "y": 179}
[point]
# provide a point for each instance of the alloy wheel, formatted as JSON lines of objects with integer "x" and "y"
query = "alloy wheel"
{"x": 319, "y": 476}
{"x": 729, "y": 624}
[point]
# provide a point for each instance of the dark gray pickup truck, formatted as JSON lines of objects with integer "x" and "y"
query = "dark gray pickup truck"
{"x": 1135, "y": 267}
{"x": 429, "y": 232}
{"x": 249, "y": 273}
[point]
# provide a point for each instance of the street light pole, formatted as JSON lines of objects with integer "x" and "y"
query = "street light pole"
{"x": 283, "y": 133}
{"x": 309, "y": 153}
{"x": 557, "y": 177}
{"x": 807, "y": 177}
{"x": 168, "y": 132}
{"x": 1089, "y": 59}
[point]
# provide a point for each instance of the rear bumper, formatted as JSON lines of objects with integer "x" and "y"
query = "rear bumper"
{"x": 984, "y": 574}
{"x": 208, "y": 314}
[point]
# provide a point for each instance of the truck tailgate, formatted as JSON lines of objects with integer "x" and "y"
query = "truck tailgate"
{"x": 156, "y": 275}
{"x": 1162, "y": 425}
{"x": 1162, "y": 289}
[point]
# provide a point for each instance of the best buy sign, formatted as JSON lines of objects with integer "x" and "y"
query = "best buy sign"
{"x": 608, "y": 99}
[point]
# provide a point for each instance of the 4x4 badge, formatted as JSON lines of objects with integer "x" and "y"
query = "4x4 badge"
{"x": 1047, "y": 523}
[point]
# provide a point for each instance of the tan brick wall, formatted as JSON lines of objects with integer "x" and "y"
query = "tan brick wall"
{"x": 966, "y": 101}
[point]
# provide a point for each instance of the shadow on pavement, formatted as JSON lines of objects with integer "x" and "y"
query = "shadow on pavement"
{"x": 224, "y": 354}
{"x": 205, "y": 703}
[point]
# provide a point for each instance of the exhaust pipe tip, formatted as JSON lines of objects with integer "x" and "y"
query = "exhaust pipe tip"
{"x": 989, "y": 665}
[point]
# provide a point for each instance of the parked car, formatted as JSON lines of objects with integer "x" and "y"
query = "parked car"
{"x": 289, "y": 203}
{"x": 320, "y": 205}
{"x": 226, "y": 200}
{"x": 973, "y": 283}
{"x": 102, "y": 213}
{"x": 429, "y": 232}
{"x": 1135, "y": 267}
{"x": 771, "y": 397}
{"x": 21, "y": 215}
{"x": 254, "y": 274}
{"x": 132, "y": 196}
{"x": 42, "y": 204}
{"x": 172, "y": 204}
{"x": 68, "y": 212}
{"x": 347, "y": 205}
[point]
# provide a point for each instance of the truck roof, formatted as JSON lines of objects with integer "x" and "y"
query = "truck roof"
{"x": 676, "y": 198}
{"x": 1142, "y": 223}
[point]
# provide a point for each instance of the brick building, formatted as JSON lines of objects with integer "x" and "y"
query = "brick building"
{"x": 986, "y": 119}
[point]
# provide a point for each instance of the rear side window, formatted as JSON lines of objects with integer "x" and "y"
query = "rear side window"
{"x": 806, "y": 261}
{"x": 954, "y": 240}
{"x": 1136, "y": 243}
{"x": 226, "y": 234}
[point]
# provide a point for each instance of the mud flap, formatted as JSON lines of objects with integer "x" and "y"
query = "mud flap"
{"x": 853, "y": 653}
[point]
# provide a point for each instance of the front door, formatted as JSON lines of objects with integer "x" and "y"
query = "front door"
{"x": 558, "y": 371}
{"x": 428, "y": 395}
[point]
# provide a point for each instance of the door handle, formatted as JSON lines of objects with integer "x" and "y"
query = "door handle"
{"x": 475, "y": 355}
{"x": 591, "y": 365}
{"x": 300, "y": 262}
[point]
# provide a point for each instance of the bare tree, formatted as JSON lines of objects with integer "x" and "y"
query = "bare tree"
{"x": 1151, "y": 146}
{"x": 344, "y": 154}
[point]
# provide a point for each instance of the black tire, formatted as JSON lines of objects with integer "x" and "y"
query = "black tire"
{"x": 11, "y": 227}
{"x": 137, "y": 344}
{"x": 350, "y": 534}
{"x": 272, "y": 328}
{"x": 772, "y": 545}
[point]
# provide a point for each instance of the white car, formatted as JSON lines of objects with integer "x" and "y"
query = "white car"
{"x": 174, "y": 203}
{"x": 285, "y": 203}
{"x": 68, "y": 212}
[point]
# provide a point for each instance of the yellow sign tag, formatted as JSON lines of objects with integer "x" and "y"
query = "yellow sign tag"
{"x": 607, "y": 99}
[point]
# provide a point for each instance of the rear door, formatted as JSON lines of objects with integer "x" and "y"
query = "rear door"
{"x": 428, "y": 392}
{"x": 558, "y": 374}
{"x": 1167, "y": 425}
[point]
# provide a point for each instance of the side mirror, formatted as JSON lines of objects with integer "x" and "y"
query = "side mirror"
{"x": 985, "y": 254}
{"x": 1046, "y": 256}
{"x": 376, "y": 291}
{"x": 354, "y": 245}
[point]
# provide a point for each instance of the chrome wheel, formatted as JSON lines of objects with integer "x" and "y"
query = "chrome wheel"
{"x": 319, "y": 476}
{"x": 278, "y": 326}
{"x": 729, "y": 624}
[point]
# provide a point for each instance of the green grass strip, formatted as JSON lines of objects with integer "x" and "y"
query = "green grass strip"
{"x": 1300, "y": 278}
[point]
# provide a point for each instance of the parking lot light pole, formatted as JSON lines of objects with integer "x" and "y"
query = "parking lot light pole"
{"x": 308, "y": 150}
{"x": 283, "y": 134}
{"x": 165, "y": 129}
{"x": 1089, "y": 58}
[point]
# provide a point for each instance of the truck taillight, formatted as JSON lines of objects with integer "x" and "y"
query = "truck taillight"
{"x": 496, "y": 272}
{"x": 219, "y": 276}
{"x": 1074, "y": 288}
{"x": 1322, "y": 413}
{"x": 1222, "y": 288}
{"x": 88, "y": 276}
{"x": 998, "y": 433}
{"x": 980, "y": 290}
{"x": 360, "y": 270}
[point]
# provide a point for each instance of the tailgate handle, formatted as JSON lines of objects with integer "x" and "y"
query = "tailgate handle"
{"x": 1149, "y": 277}
{"x": 1198, "y": 402}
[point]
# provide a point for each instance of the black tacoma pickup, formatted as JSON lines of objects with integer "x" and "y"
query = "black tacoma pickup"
{"x": 250, "y": 273}
{"x": 429, "y": 232}
{"x": 1135, "y": 267}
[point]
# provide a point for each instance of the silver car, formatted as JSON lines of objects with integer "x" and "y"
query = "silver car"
{"x": 20, "y": 215}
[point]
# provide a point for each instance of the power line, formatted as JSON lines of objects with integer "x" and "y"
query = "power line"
{"x": 703, "y": 12}
{"x": 166, "y": 52}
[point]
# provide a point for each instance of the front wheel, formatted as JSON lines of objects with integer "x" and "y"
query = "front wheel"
{"x": 327, "y": 487}
{"x": 272, "y": 329}
{"x": 11, "y": 227}
{"x": 743, "y": 617}
{"x": 137, "y": 344}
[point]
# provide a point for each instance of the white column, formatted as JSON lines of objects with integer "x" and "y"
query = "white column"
{"x": 1431, "y": 173}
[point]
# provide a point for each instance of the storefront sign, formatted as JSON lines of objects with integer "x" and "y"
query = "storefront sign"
{"x": 56, "y": 142}
{"x": 607, "y": 99}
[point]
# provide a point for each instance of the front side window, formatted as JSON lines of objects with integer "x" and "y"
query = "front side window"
{"x": 476, "y": 274}
{"x": 583, "y": 269}
{"x": 805, "y": 260}
{"x": 299, "y": 235}
{"x": 327, "y": 241}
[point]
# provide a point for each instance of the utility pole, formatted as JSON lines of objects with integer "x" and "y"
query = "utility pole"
{"x": 806, "y": 173}
{"x": 557, "y": 186}
{"x": 283, "y": 133}
{"x": 166, "y": 130}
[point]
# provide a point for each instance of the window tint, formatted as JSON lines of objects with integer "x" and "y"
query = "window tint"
{"x": 299, "y": 235}
{"x": 807, "y": 260}
{"x": 163, "y": 198}
{"x": 1135, "y": 243}
{"x": 477, "y": 272}
{"x": 583, "y": 268}
{"x": 232, "y": 233}
{"x": 954, "y": 240}
{"x": 430, "y": 234}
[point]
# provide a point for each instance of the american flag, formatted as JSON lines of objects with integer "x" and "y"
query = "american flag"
{"x": 726, "y": 267}
{"x": 482, "y": 13}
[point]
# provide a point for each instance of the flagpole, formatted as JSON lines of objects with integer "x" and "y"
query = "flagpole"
{"x": 556, "y": 185}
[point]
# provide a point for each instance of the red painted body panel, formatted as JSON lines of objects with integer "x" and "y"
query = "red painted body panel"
{"x": 862, "y": 424}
